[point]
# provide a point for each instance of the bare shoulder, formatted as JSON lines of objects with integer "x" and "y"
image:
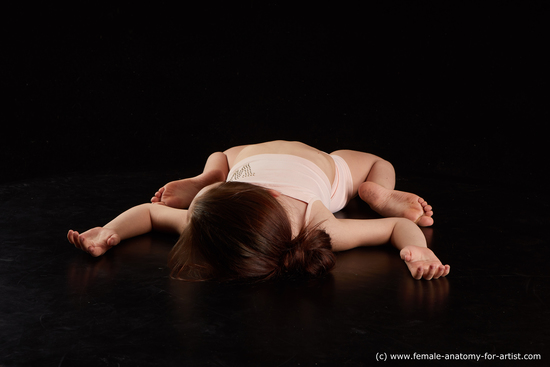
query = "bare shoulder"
{"x": 320, "y": 214}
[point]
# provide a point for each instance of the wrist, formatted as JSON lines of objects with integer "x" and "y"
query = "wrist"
{"x": 407, "y": 233}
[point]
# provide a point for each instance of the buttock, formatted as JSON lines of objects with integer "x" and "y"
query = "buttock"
{"x": 342, "y": 186}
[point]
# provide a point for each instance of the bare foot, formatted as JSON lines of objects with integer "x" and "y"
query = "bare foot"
{"x": 393, "y": 203}
{"x": 179, "y": 194}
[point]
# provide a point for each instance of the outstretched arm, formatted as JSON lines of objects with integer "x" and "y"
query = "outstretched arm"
{"x": 401, "y": 232}
{"x": 133, "y": 222}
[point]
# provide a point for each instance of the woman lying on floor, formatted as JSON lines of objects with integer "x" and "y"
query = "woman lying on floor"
{"x": 264, "y": 211}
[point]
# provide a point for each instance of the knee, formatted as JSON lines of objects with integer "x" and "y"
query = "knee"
{"x": 382, "y": 163}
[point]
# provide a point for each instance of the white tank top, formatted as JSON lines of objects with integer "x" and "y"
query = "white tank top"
{"x": 291, "y": 175}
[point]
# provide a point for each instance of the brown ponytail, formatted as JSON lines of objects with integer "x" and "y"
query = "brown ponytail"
{"x": 240, "y": 231}
{"x": 310, "y": 253}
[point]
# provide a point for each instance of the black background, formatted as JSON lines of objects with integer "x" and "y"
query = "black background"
{"x": 438, "y": 88}
{"x": 102, "y": 104}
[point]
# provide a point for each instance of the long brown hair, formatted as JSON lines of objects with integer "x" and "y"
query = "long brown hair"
{"x": 240, "y": 231}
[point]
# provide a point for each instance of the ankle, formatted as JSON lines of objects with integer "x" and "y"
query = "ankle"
{"x": 371, "y": 192}
{"x": 210, "y": 177}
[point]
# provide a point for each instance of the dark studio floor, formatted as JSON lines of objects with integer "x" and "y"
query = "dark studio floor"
{"x": 451, "y": 91}
{"x": 60, "y": 307}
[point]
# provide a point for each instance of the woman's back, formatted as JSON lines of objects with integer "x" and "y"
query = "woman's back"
{"x": 321, "y": 159}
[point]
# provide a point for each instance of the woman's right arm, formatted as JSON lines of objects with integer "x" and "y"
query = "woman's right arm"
{"x": 138, "y": 220}
{"x": 350, "y": 233}
{"x": 405, "y": 235}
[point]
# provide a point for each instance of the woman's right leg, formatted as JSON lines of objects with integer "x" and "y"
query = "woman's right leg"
{"x": 374, "y": 181}
{"x": 368, "y": 167}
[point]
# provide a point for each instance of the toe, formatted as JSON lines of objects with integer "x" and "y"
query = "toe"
{"x": 425, "y": 221}
{"x": 158, "y": 195}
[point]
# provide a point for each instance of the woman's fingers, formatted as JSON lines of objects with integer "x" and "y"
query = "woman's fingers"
{"x": 74, "y": 238}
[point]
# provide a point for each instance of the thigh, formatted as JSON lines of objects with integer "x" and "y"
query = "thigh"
{"x": 359, "y": 163}
{"x": 232, "y": 154}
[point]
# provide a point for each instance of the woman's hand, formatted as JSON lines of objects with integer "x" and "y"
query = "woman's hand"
{"x": 423, "y": 263}
{"x": 95, "y": 241}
